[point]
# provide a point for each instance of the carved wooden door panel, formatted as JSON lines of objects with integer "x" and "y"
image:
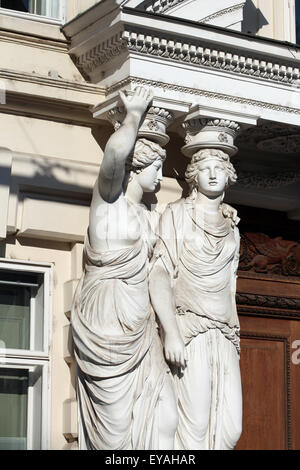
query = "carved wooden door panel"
{"x": 268, "y": 300}
{"x": 271, "y": 384}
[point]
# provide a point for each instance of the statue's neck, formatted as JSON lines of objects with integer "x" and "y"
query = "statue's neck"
{"x": 133, "y": 191}
{"x": 208, "y": 204}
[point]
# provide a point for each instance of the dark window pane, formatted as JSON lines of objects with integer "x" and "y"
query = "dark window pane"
{"x": 297, "y": 2}
{"x": 18, "y": 5}
{"x": 21, "y": 310}
{"x": 13, "y": 408}
{"x": 15, "y": 316}
{"x": 18, "y": 276}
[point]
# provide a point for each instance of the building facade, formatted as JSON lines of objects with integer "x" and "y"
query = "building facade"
{"x": 220, "y": 63}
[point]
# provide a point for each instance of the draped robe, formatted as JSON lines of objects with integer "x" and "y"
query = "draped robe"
{"x": 120, "y": 362}
{"x": 202, "y": 262}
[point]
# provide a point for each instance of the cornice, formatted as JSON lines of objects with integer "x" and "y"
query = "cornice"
{"x": 34, "y": 41}
{"x": 189, "y": 52}
{"x": 199, "y": 92}
{"x": 32, "y": 78}
{"x": 49, "y": 98}
{"x": 208, "y": 57}
{"x": 265, "y": 302}
{"x": 247, "y": 179}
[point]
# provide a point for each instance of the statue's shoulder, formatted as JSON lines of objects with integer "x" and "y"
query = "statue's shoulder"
{"x": 231, "y": 213}
{"x": 176, "y": 205}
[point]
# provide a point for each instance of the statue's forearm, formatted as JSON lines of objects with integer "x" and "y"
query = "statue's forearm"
{"x": 162, "y": 299}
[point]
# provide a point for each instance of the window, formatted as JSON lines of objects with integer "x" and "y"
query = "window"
{"x": 24, "y": 356}
{"x": 297, "y": 5}
{"x": 45, "y": 8}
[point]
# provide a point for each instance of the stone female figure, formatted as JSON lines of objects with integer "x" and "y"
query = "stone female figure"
{"x": 195, "y": 264}
{"x": 125, "y": 398}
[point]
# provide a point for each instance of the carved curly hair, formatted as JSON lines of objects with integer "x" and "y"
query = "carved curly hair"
{"x": 145, "y": 153}
{"x": 204, "y": 154}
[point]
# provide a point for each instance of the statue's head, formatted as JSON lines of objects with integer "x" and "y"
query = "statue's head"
{"x": 145, "y": 164}
{"x": 210, "y": 172}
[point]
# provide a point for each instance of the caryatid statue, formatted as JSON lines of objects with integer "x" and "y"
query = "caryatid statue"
{"x": 125, "y": 394}
{"x": 194, "y": 277}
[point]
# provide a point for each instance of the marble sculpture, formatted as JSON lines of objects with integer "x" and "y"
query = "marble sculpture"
{"x": 127, "y": 396}
{"x": 196, "y": 260}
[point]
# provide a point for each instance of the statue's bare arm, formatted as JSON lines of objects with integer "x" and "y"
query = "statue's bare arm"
{"x": 162, "y": 299}
{"x": 121, "y": 144}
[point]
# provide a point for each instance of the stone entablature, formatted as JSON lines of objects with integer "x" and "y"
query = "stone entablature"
{"x": 197, "y": 46}
{"x": 119, "y": 48}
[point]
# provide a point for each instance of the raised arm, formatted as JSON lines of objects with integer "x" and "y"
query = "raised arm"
{"x": 121, "y": 144}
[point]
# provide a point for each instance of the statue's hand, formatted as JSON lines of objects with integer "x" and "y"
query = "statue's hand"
{"x": 175, "y": 349}
{"x": 139, "y": 102}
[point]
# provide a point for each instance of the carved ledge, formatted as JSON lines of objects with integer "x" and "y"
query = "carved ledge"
{"x": 269, "y": 301}
{"x": 247, "y": 179}
{"x": 190, "y": 52}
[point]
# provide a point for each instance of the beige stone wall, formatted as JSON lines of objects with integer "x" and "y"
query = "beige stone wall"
{"x": 75, "y": 7}
{"x": 274, "y": 18}
{"x": 60, "y": 256}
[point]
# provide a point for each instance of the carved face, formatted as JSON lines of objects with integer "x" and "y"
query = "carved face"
{"x": 212, "y": 177}
{"x": 151, "y": 176}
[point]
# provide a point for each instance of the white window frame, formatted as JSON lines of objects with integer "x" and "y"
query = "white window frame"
{"x": 44, "y": 19}
{"x": 35, "y": 360}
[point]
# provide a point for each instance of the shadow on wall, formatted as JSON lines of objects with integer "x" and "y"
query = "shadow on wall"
{"x": 253, "y": 20}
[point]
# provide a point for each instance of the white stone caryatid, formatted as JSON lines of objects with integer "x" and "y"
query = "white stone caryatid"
{"x": 125, "y": 396}
{"x": 194, "y": 277}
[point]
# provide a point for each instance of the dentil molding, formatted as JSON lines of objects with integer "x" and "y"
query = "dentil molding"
{"x": 199, "y": 92}
{"x": 188, "y": 52}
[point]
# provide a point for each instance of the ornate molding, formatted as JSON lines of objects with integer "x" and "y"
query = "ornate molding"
{"x": 247, "y": 179}
{"x": 204, "y": 56}
{"x": 162, "y": 6}
{"x": 210, "y": 133}
{"x": 199, "y": 92}
{"x": 154, "y": 126}
{"x": 191, "y": 53}
{"x": 225, "y": 11}
{"x": 263, "y": 254}
{"x": 102, "y": 53}
{"x": 283, "y": 144}
{"x": 272, "y": 137}
{"x": 268, "y": 301}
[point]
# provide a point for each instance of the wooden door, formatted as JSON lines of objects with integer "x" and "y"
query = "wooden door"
{"x": 271, "y": 384}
